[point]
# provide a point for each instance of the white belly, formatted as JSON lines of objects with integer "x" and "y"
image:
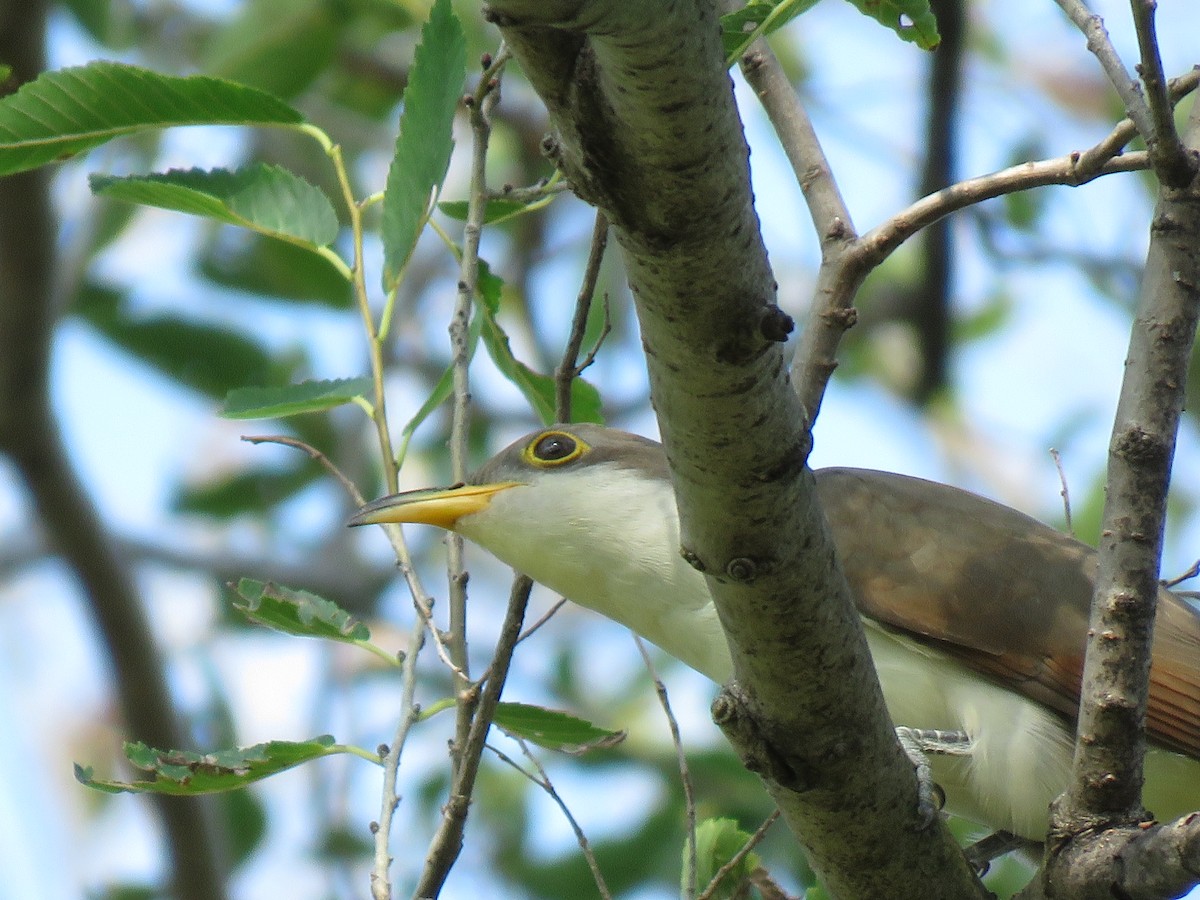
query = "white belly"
{"x": 1021, "y": 752}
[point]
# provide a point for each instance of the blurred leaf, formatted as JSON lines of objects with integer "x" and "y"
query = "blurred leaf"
{"x": 988, "y": 320}
{"x": 553, "y": 729}
{"x": 770, "y": 15}
{"x": 206, "y": 358}
{"x": 277, "y": 269}
{"x": 253, "y": 491}
{"x": 717, "y": 842}
{"x": 187, "y": 773}
{"x": 66, "y": 112}
{"x": 495, "y": 211}
{"x": 267, "y": 199}
{"x": 912, "y": 20}
{"x": 423, "y": 146}
{"x": 297, "y": 612}
{"x": 490, "y": 287}
{"x": 539, "y": 389}
{"x": 294, "y": 399}
{"x": 245, "y": 823}
{"x": 279, "y": 46}
{"x": 94, "y": 15}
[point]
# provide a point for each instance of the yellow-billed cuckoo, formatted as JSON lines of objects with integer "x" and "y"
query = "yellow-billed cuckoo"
{"x": 975, "y": 614}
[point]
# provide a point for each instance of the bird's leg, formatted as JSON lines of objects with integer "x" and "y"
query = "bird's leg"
{"x": 918, "y": 743}
{"x": 981, "y": 853}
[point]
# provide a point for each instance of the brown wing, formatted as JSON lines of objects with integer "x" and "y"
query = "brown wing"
{"x": 999, "y": 590}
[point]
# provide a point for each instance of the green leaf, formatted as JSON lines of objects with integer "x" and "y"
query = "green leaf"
{"x": 66, "y": 112}
{"x": 494, "y": 211}
{"x": 425, "y": 141}
{"x": 553, "y": 729}
{"x": 276, "y": 269}
{"x": 717, "y": 842}
{"x": 206, "y": 358}
{"x": 539, "y": 389}
{"x": 294, "y": 399}
{"x": 184, "y": 772}
{"x": 264, "y": 198}
{"x": 758, "y": 18}
{"x": 297, "y": 612}
{"x": 912, "y": 20}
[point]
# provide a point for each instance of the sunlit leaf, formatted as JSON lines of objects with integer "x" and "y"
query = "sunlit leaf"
{"x": 66, "y": 112}
{"x": 296, "y": 612}
{"x": 761, "y": 16}
{"x": 185, "y": 772}
{"x": 912, "y": 20}
{"x": 293, "y": 399}
{"x": 264, "y": 198}
{"x": 553, "y": 729}
{"x": 423, "y": 147}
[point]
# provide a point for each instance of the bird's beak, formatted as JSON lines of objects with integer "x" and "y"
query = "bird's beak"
{"x": 442, "y": 507}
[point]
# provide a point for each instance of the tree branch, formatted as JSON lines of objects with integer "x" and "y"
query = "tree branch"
{"x": 646, "y": 129}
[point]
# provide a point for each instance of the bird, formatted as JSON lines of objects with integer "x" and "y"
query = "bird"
{"x": 975, "y": 614}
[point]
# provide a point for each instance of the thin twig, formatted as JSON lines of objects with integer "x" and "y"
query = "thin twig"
{"x": 1102, "y": 48}
{"x": 528, "y": 632}
{"x": 1191, "y": 573}
{"x": 1064, "y": 492}
{"x": 1171, "y": 161}
{"x": 381, "y": 886}
{"x": 480, "y": 104}
{"x": 315, "y": 454}
{"x": 689, "y": 795}
{"x": 447, "y": 842}
{"x": 542, "y": 780}
{"x": 734, "y": 861}
{"x": 531, "y": 194}
{"x": 568, "y": 369}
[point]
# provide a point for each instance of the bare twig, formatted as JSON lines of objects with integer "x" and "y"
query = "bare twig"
{"x": 447, "y": 842}
{"x": 568, "y": 370}
{"x": 381, "y": 886}
{"x": 685, "y": 777}
{"x": 789, "y": 118}
{"x": 1171, "y": 161}
{"x": 1064, "y": 492}
{"x": 530, "y": 194}
{"x": 735, "y": 860}
{"x": 542, "y": 780}
{"x": 480, "y": 104}
{"x": 1102, "y": 48}
{"x": 1191, "y": 573}
{"x": 315, "y": 454}
{"x": 528, "y": 632}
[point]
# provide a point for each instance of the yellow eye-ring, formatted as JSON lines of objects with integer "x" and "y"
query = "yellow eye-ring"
{"x": 554, "y": 448}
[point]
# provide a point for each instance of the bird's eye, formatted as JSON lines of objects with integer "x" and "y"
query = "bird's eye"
{"x": 554, "y": 448}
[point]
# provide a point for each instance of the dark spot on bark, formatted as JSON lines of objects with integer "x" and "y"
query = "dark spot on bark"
{"x": 774, "y": 324}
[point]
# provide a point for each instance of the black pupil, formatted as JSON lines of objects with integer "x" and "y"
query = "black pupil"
{"x": 554, "y": 446}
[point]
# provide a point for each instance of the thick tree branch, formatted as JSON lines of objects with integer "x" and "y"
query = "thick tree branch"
{"x": 646, "y": 130}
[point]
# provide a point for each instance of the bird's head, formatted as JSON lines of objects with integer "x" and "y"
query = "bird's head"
{"x": 590, "y": 513}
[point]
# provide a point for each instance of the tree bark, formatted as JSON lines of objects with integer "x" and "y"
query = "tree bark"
{"x": 645, "y": 128}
